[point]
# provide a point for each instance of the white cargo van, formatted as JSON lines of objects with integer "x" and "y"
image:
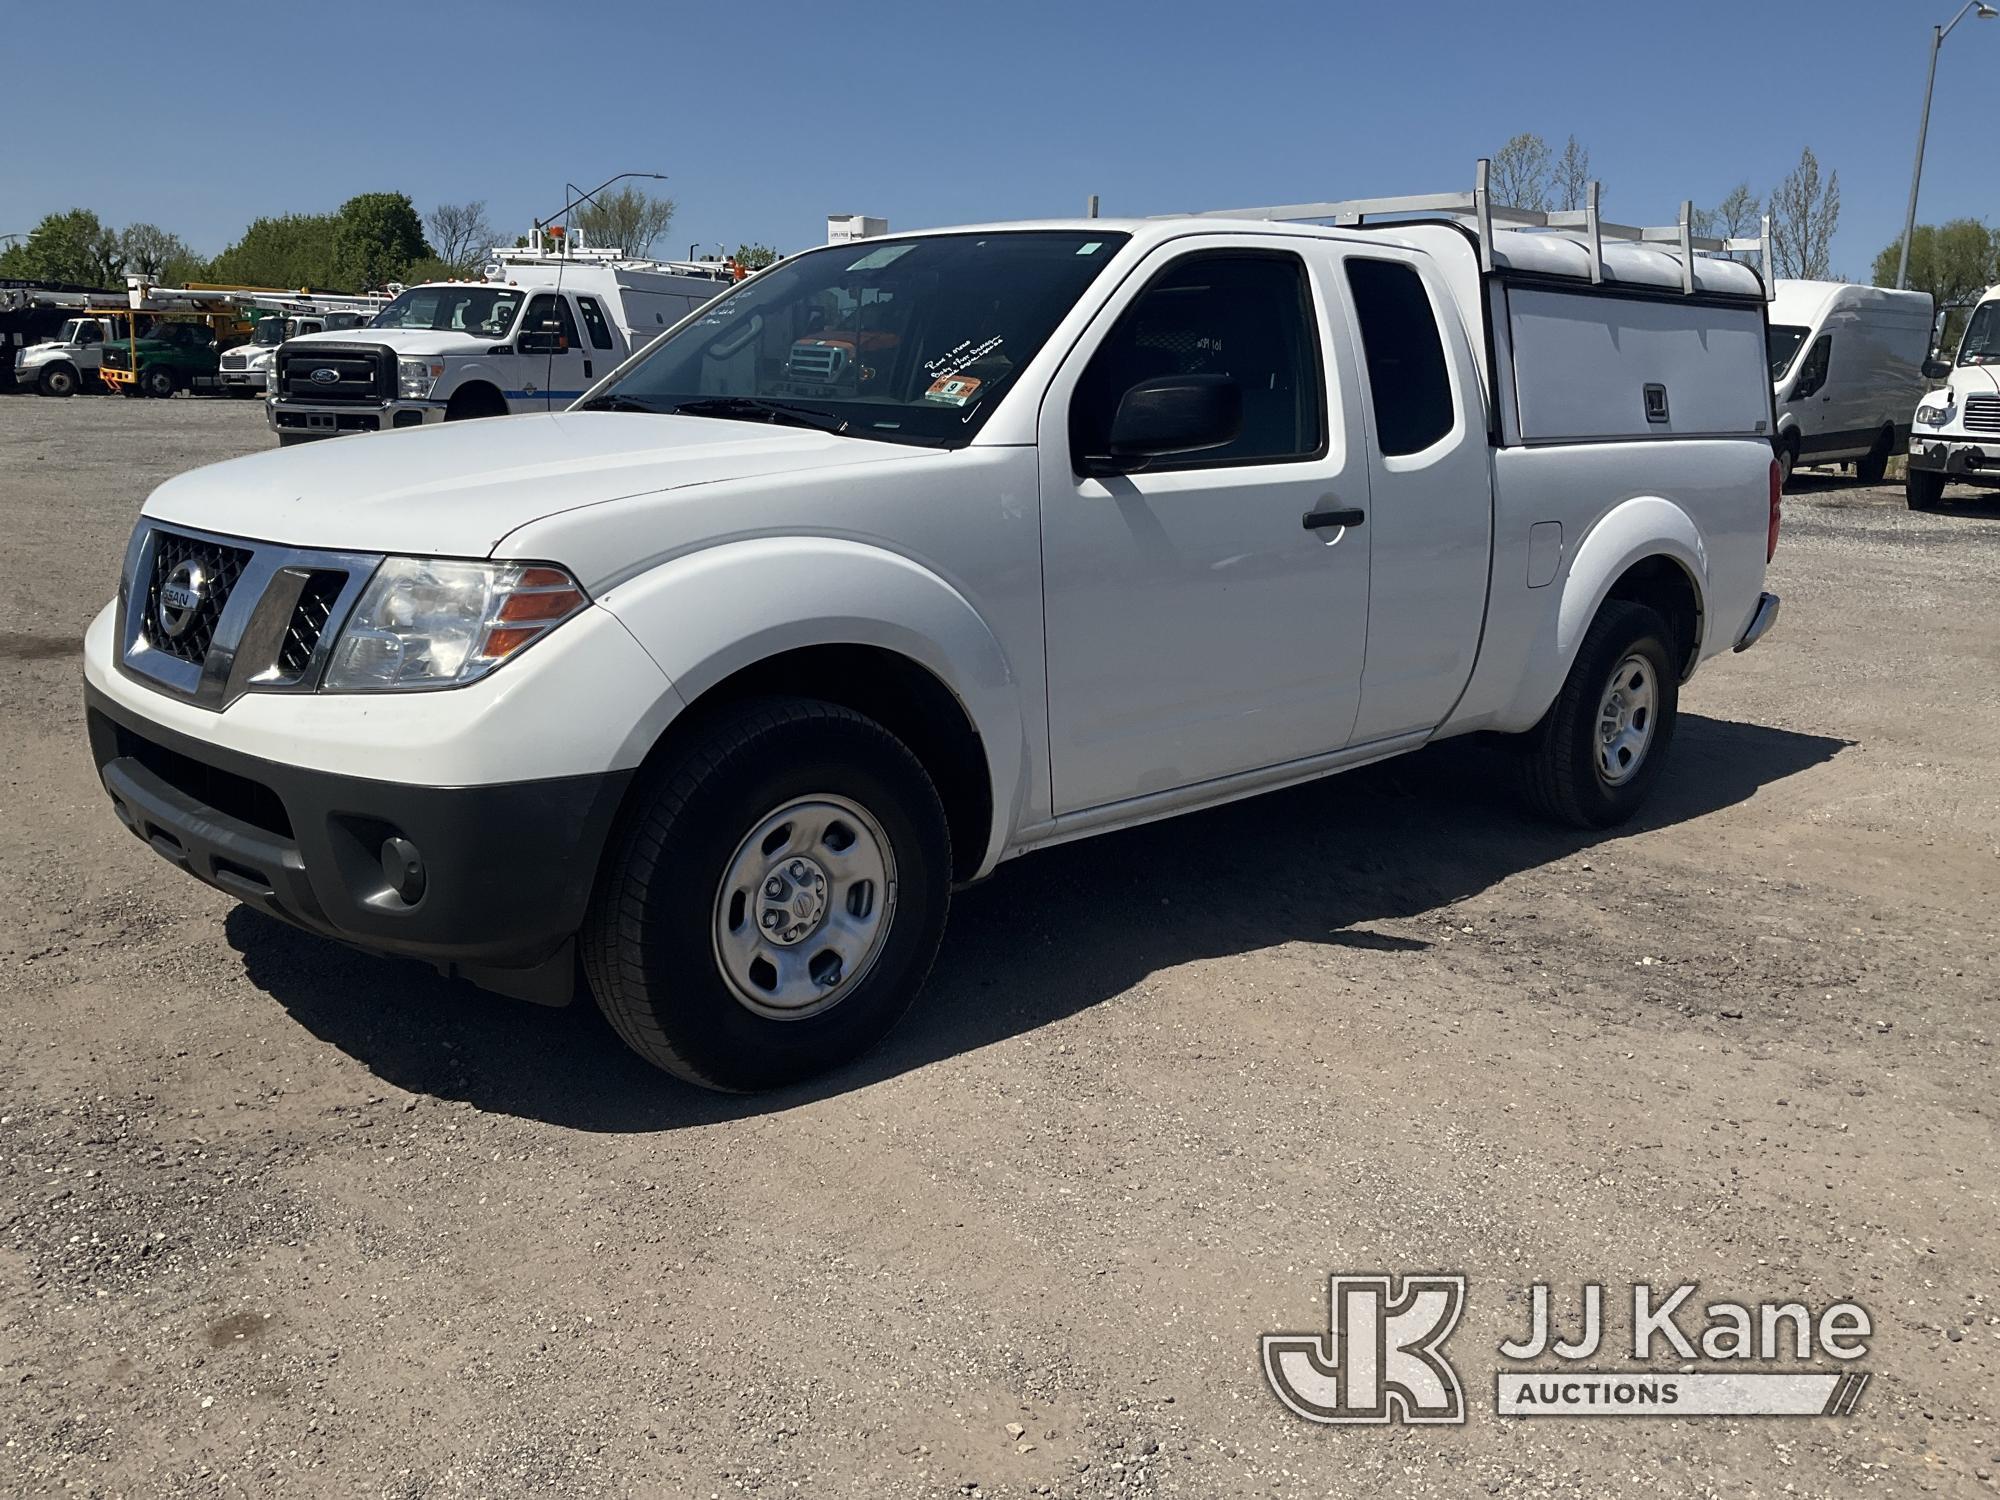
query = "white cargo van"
{"x": 1846, "y": 370}
{"x": 914, "y": 555}
{"x": 532, "y": 336}
{"x": 1957, "y": 433}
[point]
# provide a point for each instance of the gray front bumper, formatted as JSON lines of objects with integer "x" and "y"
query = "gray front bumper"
{"x": 335, "y": 418}
{"x": 1975, "y": 460}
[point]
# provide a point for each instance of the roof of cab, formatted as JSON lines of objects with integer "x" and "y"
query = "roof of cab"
{"x": 1542, "y": 252}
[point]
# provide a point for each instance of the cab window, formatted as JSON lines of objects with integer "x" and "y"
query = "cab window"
{"x": 1812, "y": 373}
{"x": 548, "y": 313}
{"x": 593, "y": 319}
{"x": 1244, "y": 314}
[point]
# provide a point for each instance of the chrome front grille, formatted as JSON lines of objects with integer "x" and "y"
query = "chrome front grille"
{"x": 235, "y": 361}
{"x": 1982, "y": 414}
{"x": 210, "y": 618}
{"x": 215, "y": 568}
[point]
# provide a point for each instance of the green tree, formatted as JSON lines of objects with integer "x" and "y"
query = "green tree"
{"x": 1520, "y": 174}
{"x": 75, "y": 246}
{"x": 1954, "y": 262}
{"x": 1805, "y": 211}
{"x": 629, "y": 219}
{"x": 432, "y": 268}
{"x": 754, "y": 257}
{"x": 291, "y": 250}
{"x": 379, "y": 236}
{"x": 152, "y": 251}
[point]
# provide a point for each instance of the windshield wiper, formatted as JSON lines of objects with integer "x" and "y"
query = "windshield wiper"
{"x": 759, "y": 408}
{"x": 616, "y": 402}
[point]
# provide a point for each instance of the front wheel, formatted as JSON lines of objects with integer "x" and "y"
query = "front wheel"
{"x": 1596, "y": 753}
{"x": 1923, "y": 489}
{"x": 774, "y": 899}
{"x": 157, "y": 381}
{"x": 57, "y": 380}
{"x": 1788, "y": 461}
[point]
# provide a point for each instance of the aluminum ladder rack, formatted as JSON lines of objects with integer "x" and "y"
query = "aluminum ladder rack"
{"x": 1478, "y": 206}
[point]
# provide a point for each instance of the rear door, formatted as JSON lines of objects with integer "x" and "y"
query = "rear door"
{"x": 1430, "y": 517}
{"x": 601, "y": 344}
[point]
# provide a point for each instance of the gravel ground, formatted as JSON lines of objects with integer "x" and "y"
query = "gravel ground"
{"x": 279, "y": 1219}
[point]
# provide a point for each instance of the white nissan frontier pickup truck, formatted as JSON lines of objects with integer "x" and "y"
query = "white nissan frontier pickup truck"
{"x": 909, "y": 556}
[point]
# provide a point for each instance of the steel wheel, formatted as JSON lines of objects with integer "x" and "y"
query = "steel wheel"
{"x": 1625, "y": 715}
{"x": 804, "y": 907}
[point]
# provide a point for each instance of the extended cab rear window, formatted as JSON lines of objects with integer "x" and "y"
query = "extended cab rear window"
{"x": 911, "y": 340}
{"x": 1407, "y": 374}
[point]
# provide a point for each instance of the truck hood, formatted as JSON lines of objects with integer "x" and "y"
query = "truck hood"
{"x": 455, "y": 489}
{"x": 403, "y": 340}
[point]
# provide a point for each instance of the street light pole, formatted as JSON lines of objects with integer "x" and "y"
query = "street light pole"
{"x": 1938, "y": 34}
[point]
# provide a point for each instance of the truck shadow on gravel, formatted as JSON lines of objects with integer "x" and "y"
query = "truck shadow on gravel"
{"x": 1047, "y": 936}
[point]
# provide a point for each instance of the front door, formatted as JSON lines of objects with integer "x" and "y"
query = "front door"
{"x": 1812, "y": 400}
{"x": 554, "y": 368}
{"x": 1206, "y": 615}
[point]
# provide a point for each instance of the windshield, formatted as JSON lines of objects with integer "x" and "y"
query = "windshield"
{"x": 1981, "y": 344}
{"x": 904, "y": 340}
{"x": 269, "y": 333}
{"x": 485, "y": 312}
{"x": 72, "y": 331}
{"x": 1784, "y": 343}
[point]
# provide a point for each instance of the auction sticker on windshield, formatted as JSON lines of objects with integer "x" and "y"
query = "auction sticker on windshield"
{"x": 952, "y": 390}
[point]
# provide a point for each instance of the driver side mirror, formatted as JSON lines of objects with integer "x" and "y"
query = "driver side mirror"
{"x": 1937, "y": 369}
{"x": 1167, "y": 415}
{"x": 541, "y": 341}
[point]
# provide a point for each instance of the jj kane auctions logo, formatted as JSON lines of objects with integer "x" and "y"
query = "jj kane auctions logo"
{"x": 1382, "y": 1357}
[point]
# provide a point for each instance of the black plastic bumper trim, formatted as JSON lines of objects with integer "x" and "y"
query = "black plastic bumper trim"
{"x": 508, "y": 868}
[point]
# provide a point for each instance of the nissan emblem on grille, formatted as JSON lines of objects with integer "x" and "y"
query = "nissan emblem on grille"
{"x": 325, "y": 376}
{"x": 180, "y": 598}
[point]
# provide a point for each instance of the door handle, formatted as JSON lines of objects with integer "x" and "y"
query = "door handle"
{"x": 1315, "y": 520}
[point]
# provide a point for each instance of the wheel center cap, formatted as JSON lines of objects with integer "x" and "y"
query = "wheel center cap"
{"x": 792, "y": 901}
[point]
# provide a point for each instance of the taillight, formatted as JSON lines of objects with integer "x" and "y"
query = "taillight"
{"x": 1777, "y": 485}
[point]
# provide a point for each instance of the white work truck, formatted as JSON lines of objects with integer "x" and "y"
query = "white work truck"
{"x": 912, "y": 556}
{"x": 69, "y": 362}
{"x": 246, "y": 367}
{"x": 540, "y": 328}
{"x": 1846, "y": 368}
{"x": 1955, "y": 437}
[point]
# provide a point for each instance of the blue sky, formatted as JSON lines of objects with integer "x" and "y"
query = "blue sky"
{"x": 768, "y": 117}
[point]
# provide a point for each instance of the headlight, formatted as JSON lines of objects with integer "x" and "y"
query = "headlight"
{"x": 1933, "y": 412}
{"x": 271, "y": 378}
{"x": 415, "y": 377}
{"x": 428, "y": 622}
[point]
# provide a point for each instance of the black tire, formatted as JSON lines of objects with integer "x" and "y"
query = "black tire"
{"x": 1562, "y": 775}
{"x": 1788, "y": 460}
{"x": 1874, "y": 467}
{"x": 57, "y": 380}
{"x": 1923, "y": 489}
{"x": 649, "y": 943}
{"x": 157, "y": 381}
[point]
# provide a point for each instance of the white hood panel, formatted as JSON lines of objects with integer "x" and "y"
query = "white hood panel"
{"x": 455, "y": 489}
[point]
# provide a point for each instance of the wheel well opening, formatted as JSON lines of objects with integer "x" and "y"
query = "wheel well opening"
{"x": 900, "y": 695}
{"x": 476, "y": 399}
{"x": 1663, "y": 585}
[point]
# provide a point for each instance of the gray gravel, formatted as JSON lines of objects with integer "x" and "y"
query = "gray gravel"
{"x": 279, "y": 1219}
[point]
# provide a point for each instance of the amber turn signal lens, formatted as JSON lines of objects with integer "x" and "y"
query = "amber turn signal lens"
{"x": 527, "y": 608}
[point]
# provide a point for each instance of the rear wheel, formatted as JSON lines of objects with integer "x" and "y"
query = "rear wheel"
{"x": 775, "y": 897}
{"x": 1594, "y": 757}
{"x": 1872, "y": 468}
{"x": 157, "y": 381}
{"x": 1788, "y": 460}
{"x": 1923, "y": 489}
{"x": 57, "y": 380}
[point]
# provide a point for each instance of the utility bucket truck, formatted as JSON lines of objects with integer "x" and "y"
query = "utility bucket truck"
{"x": 917, "y": 554}
{"x": 546, "y": 322}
